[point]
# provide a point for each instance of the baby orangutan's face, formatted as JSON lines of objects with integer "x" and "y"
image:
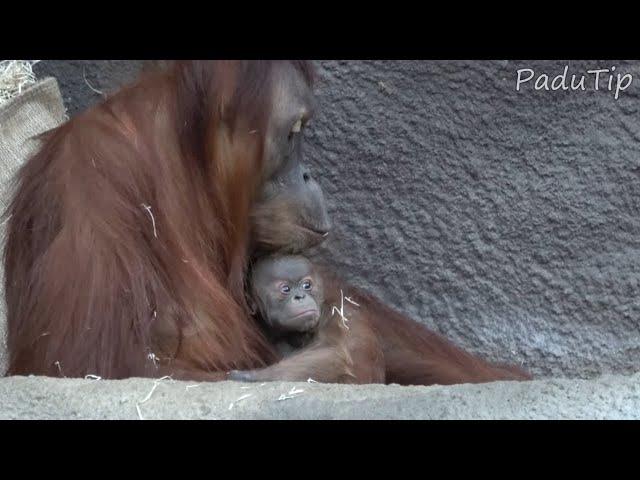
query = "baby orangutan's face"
{"x": 287, "y": 293}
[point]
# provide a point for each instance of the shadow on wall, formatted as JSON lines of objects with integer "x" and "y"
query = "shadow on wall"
{"x": 505, "y": 220}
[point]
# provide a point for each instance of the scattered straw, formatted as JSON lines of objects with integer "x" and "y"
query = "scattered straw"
{"x": 384, "y": 87}
{"x": 243, "y": 397}
{"x": 191, "y": 386}
{"x": 84, "y": 75}
{"x": 293, "y": 393}
{"x": 93, "y": 379}
{"x": 153, "y": 220}
{"x": 152, "y": 356}
{"x": 15, "y": 76}
{"x": 311, "y": 380}
{"x": 340, "y": 311}
{"x": 153, "y": 389}
{"x": 57, "y": 364}
{"x": 351, "y": 301}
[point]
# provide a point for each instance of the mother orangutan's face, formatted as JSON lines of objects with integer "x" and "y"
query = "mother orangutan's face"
{"x": 290, "y": 213}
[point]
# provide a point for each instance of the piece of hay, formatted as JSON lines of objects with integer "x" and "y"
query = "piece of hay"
{"x": 340, "y": 311}
{"x": 95, "y": 90}
{"x": 153, "y": 220}
{"x": 15, "y": 77}
{"x": 293, "y": 393}
{"x": 153, "y": 389}
{"x": 243, "y": 397}
{"x": 152, "y": 356}
{"x": 348, "y": 299}
{"x": 385, "y": 87}
{"x": 57, "y": 364}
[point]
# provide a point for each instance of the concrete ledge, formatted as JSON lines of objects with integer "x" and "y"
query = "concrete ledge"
{"x": 608, "y": 397}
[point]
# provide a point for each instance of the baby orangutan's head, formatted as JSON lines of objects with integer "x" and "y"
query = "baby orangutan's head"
{"x": 287, "y": 293}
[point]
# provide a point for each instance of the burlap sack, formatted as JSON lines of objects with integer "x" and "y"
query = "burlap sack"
{"x": 36, "y": 110}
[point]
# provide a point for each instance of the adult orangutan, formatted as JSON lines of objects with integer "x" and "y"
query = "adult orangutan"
{"x": 130, "y": 230}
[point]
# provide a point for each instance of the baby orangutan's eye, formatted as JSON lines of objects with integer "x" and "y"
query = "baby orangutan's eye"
{"x": 306, "y": 285}
{"x": 284, "y": 288}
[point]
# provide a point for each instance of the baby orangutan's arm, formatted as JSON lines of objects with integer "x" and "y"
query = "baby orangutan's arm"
{"x": 322, "y": 363}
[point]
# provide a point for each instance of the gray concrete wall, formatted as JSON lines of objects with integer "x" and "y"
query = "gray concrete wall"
{"x": 508, "y": 221}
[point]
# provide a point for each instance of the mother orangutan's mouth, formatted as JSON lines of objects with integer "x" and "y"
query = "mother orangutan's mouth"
{"x": 322, "y": 233}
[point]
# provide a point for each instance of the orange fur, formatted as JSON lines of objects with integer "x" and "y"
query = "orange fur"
{"x": 89, "y": 287}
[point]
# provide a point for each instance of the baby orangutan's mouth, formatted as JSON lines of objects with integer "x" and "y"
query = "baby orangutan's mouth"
{"x": 306, "y": 313}
{"x": 305, "y": 321}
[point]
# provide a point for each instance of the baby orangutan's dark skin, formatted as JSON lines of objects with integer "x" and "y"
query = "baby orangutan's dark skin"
{"x": 294, "y": 304}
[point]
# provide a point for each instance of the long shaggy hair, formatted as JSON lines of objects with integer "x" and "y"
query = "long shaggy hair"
{"x": 128, "y": 233}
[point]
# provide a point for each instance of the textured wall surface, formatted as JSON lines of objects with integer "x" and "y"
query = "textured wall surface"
{"x": 508, "y": 221}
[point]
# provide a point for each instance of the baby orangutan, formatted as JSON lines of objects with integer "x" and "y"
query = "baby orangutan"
{"x": 295, "y": 305}
{"x": 327, "y": 336}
